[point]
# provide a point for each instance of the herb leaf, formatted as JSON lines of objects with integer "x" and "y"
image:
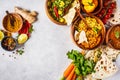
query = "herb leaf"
{"x": 31, "y": 29}
{"x": 91, "y": 4}
{"x": 20, "y": 51}
{"x": 117, "y": 34}
{"x": 82, "y": 66}
{"x": 96, "y": 30}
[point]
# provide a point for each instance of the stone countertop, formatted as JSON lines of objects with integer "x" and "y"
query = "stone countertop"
{"x": 45, "y": 52}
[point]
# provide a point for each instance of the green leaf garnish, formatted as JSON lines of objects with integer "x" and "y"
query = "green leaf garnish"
{"x": 20, "y": 51}
{"x": 82, "y": 66}
{"x": 95, "y": 29}
{"x": 117, "y": 34}
{"x": 31, "y": 29}
{"x": 91, "y": 4}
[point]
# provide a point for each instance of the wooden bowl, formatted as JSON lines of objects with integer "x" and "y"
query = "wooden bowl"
{"x": 49, "y": 14}
{"x": 97, "y": 9}
{"x": 112, "y": 40}
{"x": 8, "y": 43}
{"x": 12, "y": 22}
{"x": 103, "y": 32}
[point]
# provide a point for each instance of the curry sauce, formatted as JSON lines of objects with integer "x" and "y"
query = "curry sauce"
{"x": 114, "y": 37}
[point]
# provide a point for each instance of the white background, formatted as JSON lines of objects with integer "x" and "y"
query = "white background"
{"x": 45, "y": 52}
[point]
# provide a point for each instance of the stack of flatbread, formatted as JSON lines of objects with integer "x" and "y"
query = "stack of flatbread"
{"x": 104, "y": 66}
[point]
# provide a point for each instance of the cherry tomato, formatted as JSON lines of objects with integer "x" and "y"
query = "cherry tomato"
{"x": 99, "y": 15}
{"x": 107, "y": 16}
{"x": 113, "y": 5}
{"x": 106, "y": 3}
{"x": 103, "y": 11}
{"x": 110, "y": 10}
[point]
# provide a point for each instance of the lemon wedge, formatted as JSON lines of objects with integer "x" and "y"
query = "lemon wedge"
{"x": 1, "y": 35}
{"x": 22, "y": 38}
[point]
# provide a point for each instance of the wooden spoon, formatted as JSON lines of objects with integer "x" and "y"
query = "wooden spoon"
{"x": 12, "y": 20}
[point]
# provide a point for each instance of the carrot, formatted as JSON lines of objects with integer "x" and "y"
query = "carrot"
{"x": 71, "y": 74}
{"x": 74, "y": 77}
{"x": 68, "y": 70}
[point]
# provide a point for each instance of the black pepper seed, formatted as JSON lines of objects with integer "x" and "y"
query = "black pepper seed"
{"x": 9, "y": 55}
{"x": 13, "y": 52}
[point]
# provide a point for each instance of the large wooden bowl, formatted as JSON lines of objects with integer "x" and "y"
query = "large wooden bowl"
{"x": 111, "y": 40}
{"x": 49, "y": 14}
{"x": 97, "y": 9}
{"x": 103, "y": 32}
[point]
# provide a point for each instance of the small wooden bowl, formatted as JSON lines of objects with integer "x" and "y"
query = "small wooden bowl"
{"x": 18, "y": 20}
{"x": 49, "y": 14}
{"x": 103, "y": 32}
{"x": 111, "y": 40}
{"x": 8, "y": 43}
{"x": 97, "y": 9}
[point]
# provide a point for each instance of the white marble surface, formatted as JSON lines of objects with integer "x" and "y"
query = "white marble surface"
{"x": 45, "y": 53}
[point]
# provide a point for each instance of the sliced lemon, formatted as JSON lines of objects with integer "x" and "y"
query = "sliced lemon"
{"x": 22, "y": 38}
{"x": 1, "y": 35}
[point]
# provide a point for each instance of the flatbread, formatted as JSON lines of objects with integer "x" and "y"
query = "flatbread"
{"x": 110, "y": 53}
{"x": 89, "y": 77}
{"x": 104, "y": 68}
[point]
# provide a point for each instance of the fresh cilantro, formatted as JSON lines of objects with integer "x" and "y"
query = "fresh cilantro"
{"x": 117, "y": 34}
{"x": 20, "y": 51}
{"x": 82, "y": 66}
{"x": 31, "y": 29}
{"x": 91, "y": 4}
{"x": 96, "y": 30}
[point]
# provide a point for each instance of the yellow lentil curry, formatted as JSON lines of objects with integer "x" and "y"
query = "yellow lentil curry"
{"x": 12, "y": 22}
{"x": 93, "y": 32}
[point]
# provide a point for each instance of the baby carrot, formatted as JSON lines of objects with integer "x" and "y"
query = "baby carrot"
{"x": 71, "y": 74}
{"x": 68, "y": 70}
{"x": 74, "y": 77}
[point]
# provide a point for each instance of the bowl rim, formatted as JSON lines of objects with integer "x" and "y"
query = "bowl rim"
{"x": 107, "y": 37}
{"x": 102, "y": 39}
{"x": 18, "y": 17}
{"x": 50, "y": 17}
{"x": 94, "y": 13}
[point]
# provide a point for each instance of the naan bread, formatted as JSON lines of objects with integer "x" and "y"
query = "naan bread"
{"x": 31, "y": 16}
{"x": 89, "y": 77}
{"x": 111, "y": 53}
{"x": 104, "y": 68}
